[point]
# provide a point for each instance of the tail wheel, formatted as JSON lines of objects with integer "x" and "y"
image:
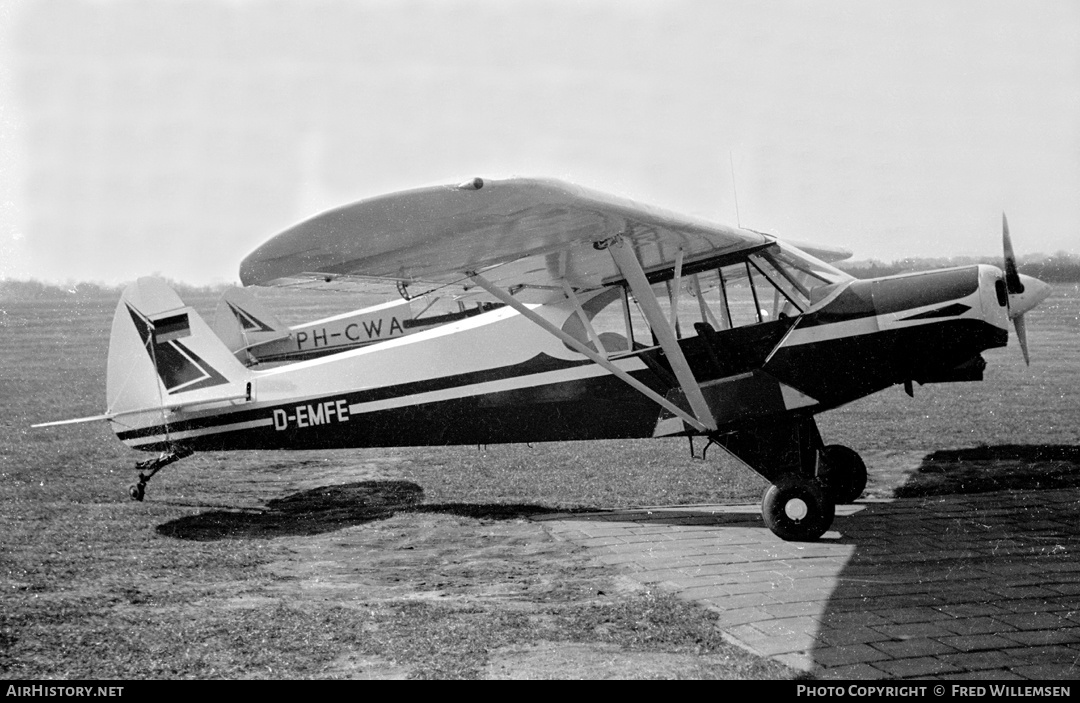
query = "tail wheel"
{"x": 797, "y": 509}
{"x": 844, "y": 473}
{"x": 137, "y": 490}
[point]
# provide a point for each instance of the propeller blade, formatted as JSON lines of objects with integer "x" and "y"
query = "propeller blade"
{"x": 1024, "y": 292}
{"x": 1021, "y": 335}
{"x": 1012, "y": 276}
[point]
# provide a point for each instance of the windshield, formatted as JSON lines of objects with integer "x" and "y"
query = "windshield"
{"x": 813, "y": 277}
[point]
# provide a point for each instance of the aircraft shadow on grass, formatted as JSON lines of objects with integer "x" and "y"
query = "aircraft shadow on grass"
{"x": 330, "y": 508}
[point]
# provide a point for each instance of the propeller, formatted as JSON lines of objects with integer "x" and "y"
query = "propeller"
{"x": 1025, "y": 292}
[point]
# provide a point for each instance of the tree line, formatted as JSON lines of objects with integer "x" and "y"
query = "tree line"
{"x": 1060, "y": 268}
{"x": 31, "y": 289}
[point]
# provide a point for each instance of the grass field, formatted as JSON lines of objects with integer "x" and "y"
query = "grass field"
{"x": 411, "y": 562}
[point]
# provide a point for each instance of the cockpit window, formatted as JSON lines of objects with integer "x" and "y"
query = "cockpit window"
{"x": 750, "y": 292}
{"x": 767, "y": 285}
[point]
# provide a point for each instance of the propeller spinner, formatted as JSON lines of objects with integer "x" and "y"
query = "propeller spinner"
{"x": 1025, "y": 292}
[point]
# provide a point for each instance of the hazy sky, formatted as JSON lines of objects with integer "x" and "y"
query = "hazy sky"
{"x": 174, "y": 137}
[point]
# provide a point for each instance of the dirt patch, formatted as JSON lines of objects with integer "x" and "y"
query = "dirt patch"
{"x": 507, "y": 599}
{"x": 573, "y": 660}
{"x": 430, "y": 556}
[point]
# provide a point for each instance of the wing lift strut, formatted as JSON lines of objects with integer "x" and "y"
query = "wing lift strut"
{"x": 700, "y": 416}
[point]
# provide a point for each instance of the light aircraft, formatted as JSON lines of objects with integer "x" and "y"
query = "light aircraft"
{"x": 602, "y": 318}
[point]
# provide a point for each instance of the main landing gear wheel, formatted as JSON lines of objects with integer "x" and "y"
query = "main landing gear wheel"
{"x": 844, "y": 474}
{"x": 797, "y": 509}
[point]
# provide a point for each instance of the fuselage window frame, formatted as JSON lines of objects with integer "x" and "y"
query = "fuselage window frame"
{"x": 778, "y": 286}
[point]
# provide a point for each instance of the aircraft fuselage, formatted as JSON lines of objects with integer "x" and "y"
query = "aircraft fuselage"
{"x": 497, "y": 377}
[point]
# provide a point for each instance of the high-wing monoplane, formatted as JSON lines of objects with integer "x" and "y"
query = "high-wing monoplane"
{"x": 583, "y": 316}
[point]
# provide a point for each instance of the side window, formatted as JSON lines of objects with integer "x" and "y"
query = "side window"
{"x": 732, "y": 296}
{"x": 740, "y": 296}
{"x": 606, "y": 316}
{"x": 679, "y": 306}
{"x": 766, "y": 286}
{"x": 754, "y": 291}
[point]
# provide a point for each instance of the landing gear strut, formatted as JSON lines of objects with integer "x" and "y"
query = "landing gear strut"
{"x": 138, "y": 490}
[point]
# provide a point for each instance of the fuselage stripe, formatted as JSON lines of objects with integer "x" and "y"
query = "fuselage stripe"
{"x": 160, "y": 436}
{"x": 509, "y": 384}
{"x": 575, "y": 373}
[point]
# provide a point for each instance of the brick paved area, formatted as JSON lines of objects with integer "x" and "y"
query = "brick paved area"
{"x": 957, "y": 587}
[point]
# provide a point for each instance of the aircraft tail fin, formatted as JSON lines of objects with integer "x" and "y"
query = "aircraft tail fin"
{"x": 243, "y": 322}
{"x": 162, "y": 355}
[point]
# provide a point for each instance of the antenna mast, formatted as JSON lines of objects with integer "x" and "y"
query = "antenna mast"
{"x": 734, "y": 190}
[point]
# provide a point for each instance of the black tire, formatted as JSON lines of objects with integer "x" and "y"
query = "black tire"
{"x": 844, "y": 476}
{"x": 136, "y": 491}
{"x": 797, "y": 509}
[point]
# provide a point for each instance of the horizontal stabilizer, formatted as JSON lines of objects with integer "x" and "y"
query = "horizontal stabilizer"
{"x": 75, "y": 421}
{"x": 187, "y": 405}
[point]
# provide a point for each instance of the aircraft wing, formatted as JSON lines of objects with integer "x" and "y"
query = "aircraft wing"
{"x": 828, "y": 254}
{"x": 523, "y": 234}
